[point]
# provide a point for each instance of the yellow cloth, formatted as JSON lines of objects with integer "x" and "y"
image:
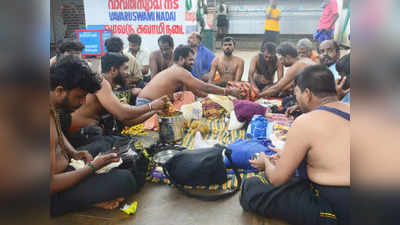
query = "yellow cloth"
{"x": 223, "y": 101}
{"x": 270, "y": 24}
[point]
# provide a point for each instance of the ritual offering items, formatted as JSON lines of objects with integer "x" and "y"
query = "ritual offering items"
{"x": 172, "y": 128}
{"x": 169, "y": 110}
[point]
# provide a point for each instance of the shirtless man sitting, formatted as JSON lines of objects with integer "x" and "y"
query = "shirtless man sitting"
{"x": 115, "y": 68}
{"x": 163, "y": 58}
{"x": 73, "y": 190}
{"x": 228, "y": 66}
{"x": 287, "y": 53}
{"x": 178, "y": 76}
{"x": 263, "y": 67}
{"x": 318, "y": 144}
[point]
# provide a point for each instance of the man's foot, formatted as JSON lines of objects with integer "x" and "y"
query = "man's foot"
{"x": 109, "y": 204}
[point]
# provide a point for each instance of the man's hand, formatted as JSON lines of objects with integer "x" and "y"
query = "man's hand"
{"x": 339, "y": 88}
{"x": 104, "y": 160}
{"x": 159, "y": 104}
{"x": 135, "y": 91}
{"x": 260, "y": 162}
{"x": 275, "y": 157}
{"x": 235, "y": 92}
{"x": 83, "y": 155}
{"x": 291, "y": 110}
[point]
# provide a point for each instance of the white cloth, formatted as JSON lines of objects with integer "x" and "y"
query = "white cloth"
{"x": 142, "y": 57}
{"x": 79, "y": 164}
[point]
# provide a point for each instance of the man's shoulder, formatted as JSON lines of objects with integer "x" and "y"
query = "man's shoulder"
{"x": 129, "y": 55}
{"x": 155, "y": 53}
{"x": 238, "y": 58}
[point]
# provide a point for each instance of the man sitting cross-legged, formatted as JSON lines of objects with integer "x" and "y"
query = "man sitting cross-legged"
{"x": 318, "y": 143}
{"x": 228, "y": 66}
{"x": 71, "y": 80}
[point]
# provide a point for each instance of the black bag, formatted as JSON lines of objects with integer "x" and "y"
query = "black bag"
{"x": 201, "y": 167}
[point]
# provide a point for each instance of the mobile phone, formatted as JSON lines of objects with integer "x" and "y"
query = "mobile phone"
{"x": 120, "y": 149}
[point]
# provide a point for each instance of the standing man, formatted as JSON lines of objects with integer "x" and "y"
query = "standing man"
{"x": 327, "y": 21}
{"x": 272, "y": 24}
{"x": 329, "y": 51}
{"x": 203, "y": 57}
{"x": 222, "y": 20}
{"x": 142, "y": 55}
{"x": 228, "y": 66}
{"x": 163, "y": 58}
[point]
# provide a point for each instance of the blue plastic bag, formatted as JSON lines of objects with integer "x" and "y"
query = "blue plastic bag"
{"x": 257, "y": 128}
{"x": 244, "y": 150}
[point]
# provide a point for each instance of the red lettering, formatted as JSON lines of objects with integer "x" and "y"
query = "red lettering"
{"x": 175, "y": 4}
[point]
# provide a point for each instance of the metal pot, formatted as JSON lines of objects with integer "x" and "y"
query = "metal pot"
{"x": 172, "y": 128}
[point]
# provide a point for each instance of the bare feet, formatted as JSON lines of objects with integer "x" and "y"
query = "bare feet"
{"x": 109, "y": 204}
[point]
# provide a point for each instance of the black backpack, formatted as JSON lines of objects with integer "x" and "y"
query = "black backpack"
{"x": 201, "y": 167}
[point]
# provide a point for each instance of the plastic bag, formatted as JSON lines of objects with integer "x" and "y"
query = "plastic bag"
{"x": 192, "y": 111}
{"x": 234, "y": 123}
{"x": 257, "y": 128}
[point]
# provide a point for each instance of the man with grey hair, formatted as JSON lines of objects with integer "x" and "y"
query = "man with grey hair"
{"x": 304, "y": 49}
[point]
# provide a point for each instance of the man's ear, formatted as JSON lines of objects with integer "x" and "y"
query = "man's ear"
{"x": 59, "y": 91}
{"x": 113, "y": 70}
{"x": 308, "y": 94}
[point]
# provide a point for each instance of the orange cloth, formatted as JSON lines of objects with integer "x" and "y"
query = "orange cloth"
{"x": 217, "y": 77}
{"x": 183, "y": 98}
{"x": 151, "y": 123}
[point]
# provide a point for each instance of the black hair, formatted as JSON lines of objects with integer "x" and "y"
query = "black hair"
{"x": 318, "y": 78}
{"x": 135, "y": 39}
{"x": 166, "y": 39}
{"x": 71, "y": 72}
{"x": 198, "y": 36}
{"x": 335, "y": 45}
{"x": 343, "y": 66}
{"x": 112, "y": 59}
{"x": 268, "y": 46}
{"x": 287, "y": 48}
{"x": 228, "y": 39}
{"x": 114, "y": 44}
{"x": 70, "y": 45}
{"x": 182, "y": 50}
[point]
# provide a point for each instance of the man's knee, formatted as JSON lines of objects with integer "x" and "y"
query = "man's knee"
{"x": 126, "y": 182}
{"x": 250, "y": 190}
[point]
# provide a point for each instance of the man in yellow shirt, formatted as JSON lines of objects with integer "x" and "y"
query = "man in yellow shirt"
{"x": 272, "y": 26}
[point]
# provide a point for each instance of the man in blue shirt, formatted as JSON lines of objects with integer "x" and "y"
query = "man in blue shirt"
{"x": 203, "y": 57}
{"x": 329, "y": 53}
{"x": 343, "y": 86}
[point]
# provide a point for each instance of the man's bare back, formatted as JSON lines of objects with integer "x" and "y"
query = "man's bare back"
{"x": 328, "y": 159}
{"x": 229, "y": 69}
